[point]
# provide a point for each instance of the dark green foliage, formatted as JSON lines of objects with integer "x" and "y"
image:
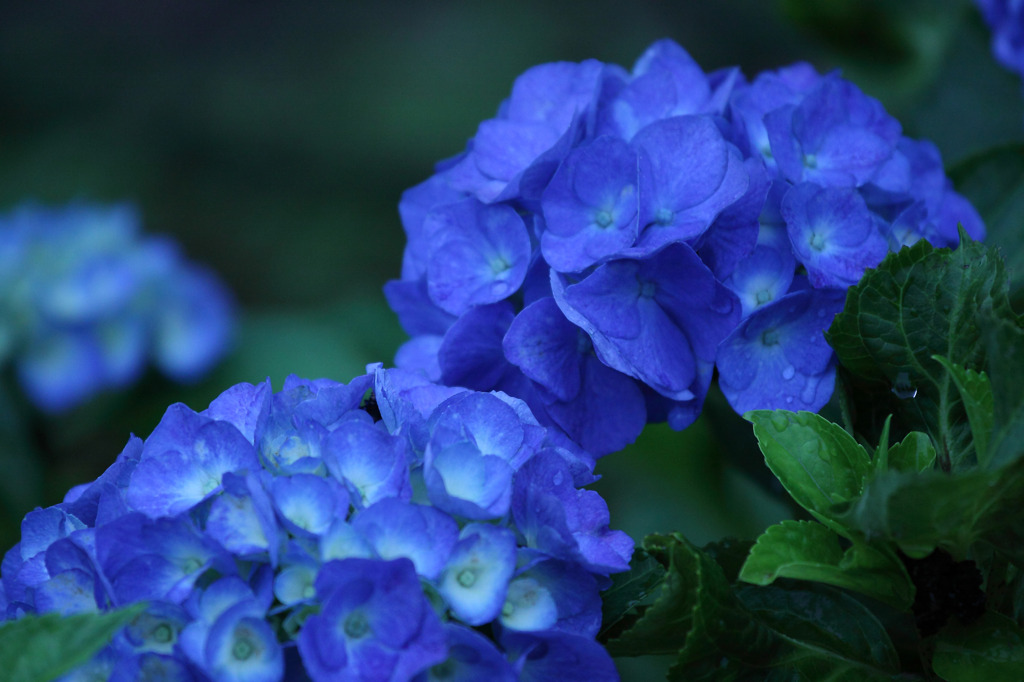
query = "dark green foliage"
{"x": 912, "y": 565}
{"x": 919, "y": 303}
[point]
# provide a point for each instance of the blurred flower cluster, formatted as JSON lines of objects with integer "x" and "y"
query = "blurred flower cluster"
{"x": 390, "y": 528}
{"x": 612, "y": 237}
{"x": 86, "y": 301}
{"x": 1006, "y": 20}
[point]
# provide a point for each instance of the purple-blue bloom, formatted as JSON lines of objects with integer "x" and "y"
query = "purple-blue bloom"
{"x": 338, "y": 531}
{"x": 778, "y": 358}
{"x": 1006, "y": 19}
{"x": 590, "y": 206}
{"x": 86, "y": 302}
{"x": 375, "y": 623}
{"x": 471, "y": 657}
{"x": 832, "y": 233}
{"x": 664, "y": 207}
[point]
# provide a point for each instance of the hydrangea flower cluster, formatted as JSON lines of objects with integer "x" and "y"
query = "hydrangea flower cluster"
{"x": 612, "y": 237}
{"x": 85, "y": 301}
{"x": 387, "y": 529}
{"x": 1006, "y": 20}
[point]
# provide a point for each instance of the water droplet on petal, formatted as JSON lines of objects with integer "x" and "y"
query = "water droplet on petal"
{"x": 789, "y": 400}
{"x": 557, "y": 478}
{"x": 780, "y": 422}
{"x": 788, "y": 373}
{"x": 810, "y": 389}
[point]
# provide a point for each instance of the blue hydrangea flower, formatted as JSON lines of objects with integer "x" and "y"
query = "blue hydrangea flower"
{"x": 86, "y": 302}
{"x": 1006, "y": 19}
{"x": 337, "y": 531}
{"x": 647, "y": 215}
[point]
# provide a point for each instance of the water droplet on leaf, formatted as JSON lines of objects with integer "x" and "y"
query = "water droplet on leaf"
{"x": 902, "y": 388}
{"x": 780, "y": 422}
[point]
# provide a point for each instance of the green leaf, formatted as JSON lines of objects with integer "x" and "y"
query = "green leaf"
{"x": 729, "y": 554}
{"x": 881, "y": 460}
{"x": 976, "y": 395}
{"x": 664, "y": 625}
{"x": 914, "y": 453}
{"x": 830, "y": 634}
{"x": 818, "y": 634}
{"x": 819, "y": 464}
{"x": 989, "y": 650}
{"x": 757, "y": 633}
{"x": 630, "y": 590}
{"x": 41, "y": 648}
{"x": 805, "y": 550}
{"x": 694, "y": 608}
{"x": 918, "y": 303}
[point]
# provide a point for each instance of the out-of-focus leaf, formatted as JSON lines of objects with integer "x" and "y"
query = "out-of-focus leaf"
{"x": 920, "y": 511}
{"x": 989, "y": 650}
{"x": 806, "y": 550}
{"x": 864, "y": 27}
{"x": 896, "y": 51}
{"x": 818, "y": 463}
{"x": 335, "y": 341}
{"x": 993, "y": 181}
{"x": 22, "y": 483}
{"x": 1005, "y": 341}
{"x": 41, "y": 648}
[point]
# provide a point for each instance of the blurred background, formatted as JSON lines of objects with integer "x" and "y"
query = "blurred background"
{"x": 273, "y": 140}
